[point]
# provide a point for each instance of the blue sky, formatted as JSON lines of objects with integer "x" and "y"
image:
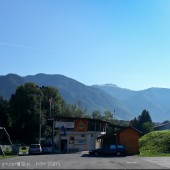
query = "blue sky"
{"x": 124, "y": 42}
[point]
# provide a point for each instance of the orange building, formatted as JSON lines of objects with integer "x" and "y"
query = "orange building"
{"x": 128, "y": 136}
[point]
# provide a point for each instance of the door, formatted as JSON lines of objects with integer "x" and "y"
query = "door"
{"x": 64, "y": 146}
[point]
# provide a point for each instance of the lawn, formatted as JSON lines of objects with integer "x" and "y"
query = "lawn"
{"x": 156, "y": 143}
{"x": 7, "y": 156}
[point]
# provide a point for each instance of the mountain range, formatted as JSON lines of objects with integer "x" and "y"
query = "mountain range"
{"x": 125, "y": 104}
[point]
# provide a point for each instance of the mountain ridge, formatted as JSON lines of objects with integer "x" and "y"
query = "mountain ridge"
{"x": 126, "y": 103}
{"x": 72, "y": 91}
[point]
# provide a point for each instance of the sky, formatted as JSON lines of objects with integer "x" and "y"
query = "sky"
{"x": 123, "y": 42}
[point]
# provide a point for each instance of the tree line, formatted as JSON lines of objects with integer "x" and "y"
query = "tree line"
{"x": 143, "y": 122}
{"x": 32, "y": 105}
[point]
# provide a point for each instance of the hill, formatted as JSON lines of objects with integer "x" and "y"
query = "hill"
{"x": 155, "y": 100}
{"x": 9, "y": 83}
{"x": 155, "y": 143}
{"x": 117, "y": 92}
{"x": 71, "y": 90}
{"x": 124, "y": 103}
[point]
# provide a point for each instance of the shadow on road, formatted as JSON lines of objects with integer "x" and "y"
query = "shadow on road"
{"x": 102, "y": 156}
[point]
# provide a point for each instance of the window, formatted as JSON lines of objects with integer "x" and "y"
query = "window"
{"x": 120, "y": 146}
{"x": 35, "y": 146}
{"x": 83, "y": 135}
{"x": 105, "y": 147}
{"x": 112, "y": 146}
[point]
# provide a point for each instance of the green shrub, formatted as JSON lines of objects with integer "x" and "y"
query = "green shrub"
{"x": 7, "y": 149}
{"x": 155, "y": 143}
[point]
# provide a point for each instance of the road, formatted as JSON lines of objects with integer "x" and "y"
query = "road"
{"x": 83, "y": 161}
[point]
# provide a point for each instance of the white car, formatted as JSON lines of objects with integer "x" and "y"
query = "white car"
{"x": 23, "y": 150}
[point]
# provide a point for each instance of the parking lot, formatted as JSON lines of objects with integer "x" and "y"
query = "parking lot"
{"x": 83, "y": 161}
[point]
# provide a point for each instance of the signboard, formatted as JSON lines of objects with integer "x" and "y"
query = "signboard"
{"x": 80, "y": 141}
{"x": 59, "y": 124}
{"x": 81, "y": 125}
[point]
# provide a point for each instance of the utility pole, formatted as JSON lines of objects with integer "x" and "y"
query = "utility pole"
{"x": 40, "y": 100}
{"x": 53, "y": 128}
{"x": 40, "y": 123}
{"x": 50, "y": 102}
{"x": 53, "y": 135}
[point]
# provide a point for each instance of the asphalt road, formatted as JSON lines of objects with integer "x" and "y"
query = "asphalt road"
{"x": 83, "y": 161}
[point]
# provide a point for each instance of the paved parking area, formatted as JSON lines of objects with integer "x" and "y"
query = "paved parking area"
{"x": 162, "y": 161}
{"x": 84, "y": 161}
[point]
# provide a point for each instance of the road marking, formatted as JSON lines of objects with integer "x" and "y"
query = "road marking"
{"x": 131, "y": 162}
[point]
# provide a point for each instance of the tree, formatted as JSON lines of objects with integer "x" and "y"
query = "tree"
{"x": 30, "y": 107}
{"x": 52, "y": 105}
{"x": 147, "y": 127}
{"x": 166, "y": 121}
{"x": 134, "y": 123}
{"x": 96, "y": 114}
{"x": 143, "y": 118}
{"x": 25, "y": 116}
{"x": 107, "y": 116}
{"x": 52, "y": 102}
{"x": 143, "y": 123}
{"x": 5, "y": 120}
{"x": 75, "y": 110}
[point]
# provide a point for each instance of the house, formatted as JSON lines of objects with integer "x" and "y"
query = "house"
{"x": 127, "y": 136}
{"x": 71, "y": 134}
{"x": 164, "y": 126}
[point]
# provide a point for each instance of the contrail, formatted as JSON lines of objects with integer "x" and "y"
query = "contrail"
{"x": 24, "y": 46}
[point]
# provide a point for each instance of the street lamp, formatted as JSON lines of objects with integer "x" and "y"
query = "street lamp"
{"x": 40, "y": 100}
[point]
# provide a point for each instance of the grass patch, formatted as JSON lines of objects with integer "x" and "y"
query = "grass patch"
{"x": 7, "y": 156}
{"x": 156, "y": 143}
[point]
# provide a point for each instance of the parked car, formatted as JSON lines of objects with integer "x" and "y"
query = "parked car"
{"x": 35, "y": 149}
{"x": 47, "y": 149}
{"x": 109, "y": 150}
{"x": 15, "y": 148}
{"x": 23, "y": 150}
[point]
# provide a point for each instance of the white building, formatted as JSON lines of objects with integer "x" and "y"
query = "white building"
{"x": 77, "y": 134}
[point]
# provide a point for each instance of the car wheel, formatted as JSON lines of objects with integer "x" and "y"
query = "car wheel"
{"x": 96, "y": 153}
{"x": 118, "y": 153}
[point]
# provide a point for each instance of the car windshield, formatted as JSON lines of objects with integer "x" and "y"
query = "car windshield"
{"x": 120, "y": 146}
{"x": 105, "y": 147}
{"x": 46, "y": 146}
{"x": 23, "y": 148}
{"x": 34, "y": 146}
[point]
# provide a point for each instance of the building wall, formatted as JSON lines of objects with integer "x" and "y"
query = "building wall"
{"x": 57, "y": 143}
{"x": 109, "y": 140}
{"x": 129, "y": 138}
{"x": 90, "y": 141}
{"x": 163, "y": 127}
{"x": 77, "y": 135}
{"x": 77, "y": 141}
